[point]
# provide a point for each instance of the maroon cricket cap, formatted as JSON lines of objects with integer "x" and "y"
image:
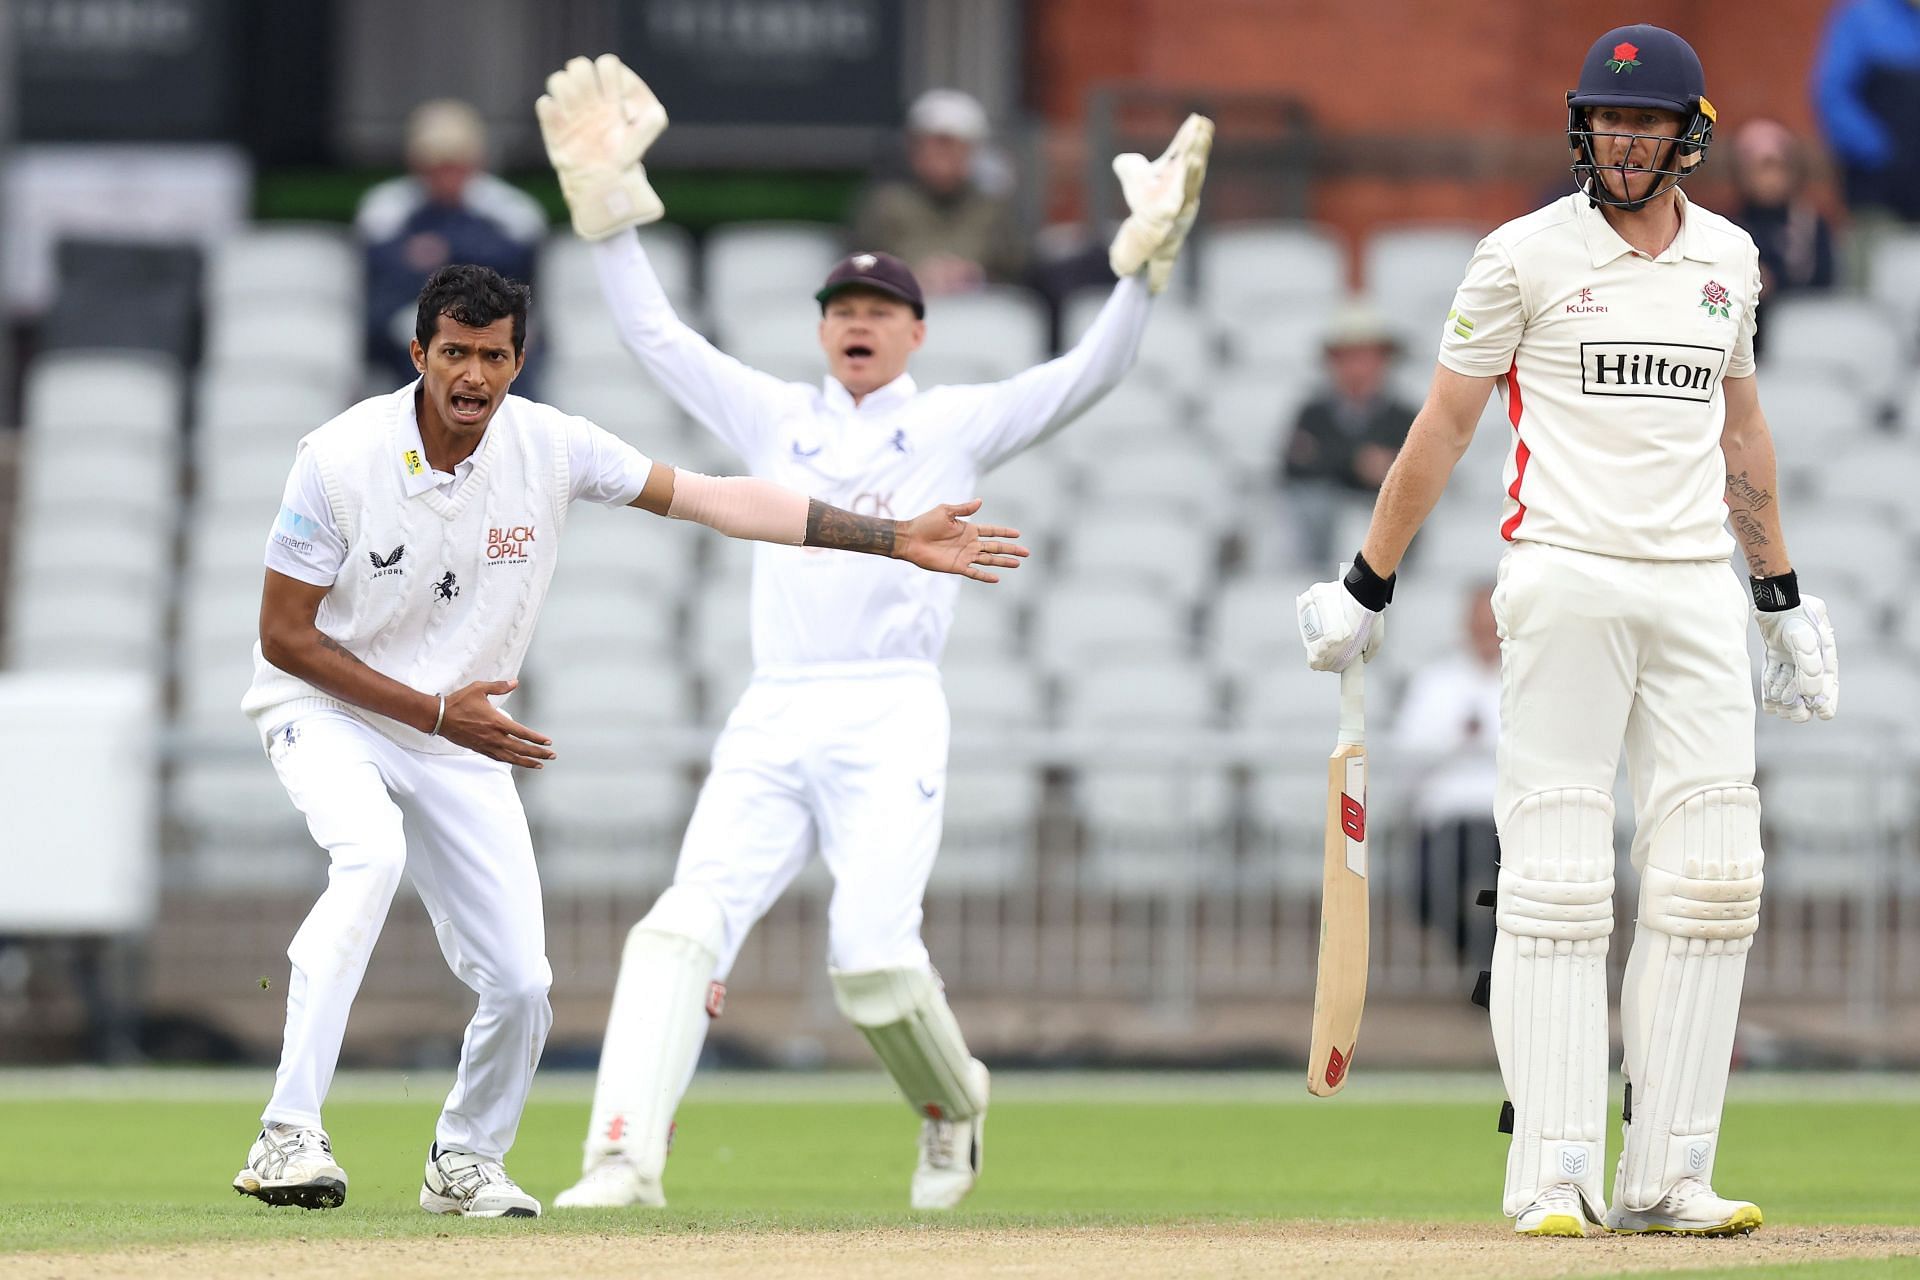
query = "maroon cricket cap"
{"x": 881, "y": 272}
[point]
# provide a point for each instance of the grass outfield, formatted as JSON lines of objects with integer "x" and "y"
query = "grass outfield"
{"x": 92, "y": 1166}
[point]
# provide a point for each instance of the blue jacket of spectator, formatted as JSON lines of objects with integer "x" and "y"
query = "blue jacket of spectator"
{"x": 1866, "y": 85}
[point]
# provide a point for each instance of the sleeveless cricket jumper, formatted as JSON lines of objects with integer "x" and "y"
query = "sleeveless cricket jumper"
{"x": 1621, "y": 625}
{"x": 436, "y": 581}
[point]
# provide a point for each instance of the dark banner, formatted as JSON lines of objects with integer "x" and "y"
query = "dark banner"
{"x": 799, "y": 62}
{"x": 124, "y": 70}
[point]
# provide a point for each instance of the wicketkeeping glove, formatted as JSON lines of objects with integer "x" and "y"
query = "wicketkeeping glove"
{"x": 1163, "y": 196}
{"x": 598, "y": 118}
{"x": 1801, "y": 678}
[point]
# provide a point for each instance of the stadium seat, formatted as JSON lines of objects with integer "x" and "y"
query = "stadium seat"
{"x": 1133, "y": 408}
{"x": 719, "y": 641}
{"x": 1252, "y": 268}
{"x": 1812, "y": 411}
{"x": 752, "y": 264}
{"x": 1893, "y": 279}
{"x": 621, "y": 686}
{"x": 583, "y": 619}
{"x": 246, "y": 402}
{"x": 124, "y": 393}
{"x": 1083, "y": 622}
{"x": 122, "y": 296}
{"x": 1154, "y": 831}
{"x": 146, "y": 483}
{"x": 1877, "y": 470}
{"x": 219, "y": 611}
{"x": 63, "y": 624}
{"x": 607, "y": 825}
{"x": 243, "y": 472}
{"x": 73, "y": 543}
{"x": 991, "y": 697}
{"x": 1285, "y": 343}
{"x": 1251, "y": 416}
{"x": 1154, "y": 697}
{"x": 1251, "y": 624}
{"x": 986, "y": 626}
{"x": 242, "y": 832}
{"x": 1411, "y": 273}
{"x": 1844, "y": 336}
{"x": 317, "y": 263}
{"x": 325, "y": 345}
{"x": 624, "y": 550}
{"x": 1286, "y": 817}
{"x": 624, "y": 401}
{"x": 564, "y": 278}
{"x": 1286, "y": 696}
{"x": 1178, "y": 351}
{"x": 987, "y": 844}
{"x": 996, "y": 332}
{"x": 227, "y": 545}
{"x": 1162, "y": 546}
{"x": 1183, "y": 473}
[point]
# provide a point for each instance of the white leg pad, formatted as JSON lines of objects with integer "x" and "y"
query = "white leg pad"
{"x": 1699, "y": 908}
{"x": 1549, "y": 990}
{"x": 662, "y": 1003}
{"x": 904, "y": 1015}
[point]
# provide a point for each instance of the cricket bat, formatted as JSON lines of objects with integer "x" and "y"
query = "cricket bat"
{"x": 1340, "y": 986}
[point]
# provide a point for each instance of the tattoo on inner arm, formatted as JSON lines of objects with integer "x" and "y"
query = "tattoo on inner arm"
{"x": 1751, "y": 496}
{"x": 1755, "y": 542}
{"x": 844, "y": 531}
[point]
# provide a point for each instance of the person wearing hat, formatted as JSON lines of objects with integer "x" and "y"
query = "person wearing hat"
{"x": 1345, "y": 438}
{"x": 446, "y": 209}
{"x": 840, "y": 741}
{"x": 1617, "y": 324}
{"x": 940, "y": 218}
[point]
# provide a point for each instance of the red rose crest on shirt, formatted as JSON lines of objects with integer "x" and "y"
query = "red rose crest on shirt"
{"x": 510, "y": 545}
{"x": 1716, "y": 300}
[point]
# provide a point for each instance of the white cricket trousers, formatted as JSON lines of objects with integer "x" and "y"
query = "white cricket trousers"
{"x": 851, "y": 758}
{"x": 455, "y": 825}
{"x": 1598, "y": 652}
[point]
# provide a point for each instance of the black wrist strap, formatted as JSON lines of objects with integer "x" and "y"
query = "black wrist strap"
{"x": 1369, "y": 588}
{"x": 1772, "y": 595}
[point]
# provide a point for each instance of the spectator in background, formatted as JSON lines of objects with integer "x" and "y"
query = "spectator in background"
{"x": 1796, "y": 244}
{"x": 1866, "y": 89}
{"x": 1344, "y": 439}
{"x": 951, "y": 218}
{"x": 447, "y": 210}
{"x": 1448, "y": 727}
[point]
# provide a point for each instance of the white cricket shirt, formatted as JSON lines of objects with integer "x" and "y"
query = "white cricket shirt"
{"x": 898, "y": 452}
{"x": 1612, "y": 364}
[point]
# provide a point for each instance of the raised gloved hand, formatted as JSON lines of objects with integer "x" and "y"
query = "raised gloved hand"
{"x": 1163, "y": 196}
{"x": 598, "y": 118}
{"x": 1801, "y": 678}
{"x": 1344, "y": 619}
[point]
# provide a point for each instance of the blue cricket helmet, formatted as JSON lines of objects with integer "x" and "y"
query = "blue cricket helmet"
{"x": 1640, "y": 66}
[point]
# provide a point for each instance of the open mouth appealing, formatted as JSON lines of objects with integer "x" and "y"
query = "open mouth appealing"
{"x": 858, "y": 351}
{"x": 468, "y": 408}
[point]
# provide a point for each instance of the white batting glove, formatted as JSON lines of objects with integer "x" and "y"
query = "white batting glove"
{"x": 1163, "y": 197}
{"x": 598, "y": 118}
{"x": 1801, "y": 678}
{"x": 1336, "y": 628}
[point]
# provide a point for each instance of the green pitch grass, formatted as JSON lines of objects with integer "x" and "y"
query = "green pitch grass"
{"x": 82, "y": 1167}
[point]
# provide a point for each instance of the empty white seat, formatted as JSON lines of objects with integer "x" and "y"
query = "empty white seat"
{"x": 1177, "y": 352}
{"x": 1249, "y": 267}
{"x": 1135, "y": 407}
{"x": 1286, "y": 695}
{"x": 989, "y": 697}
{"x": 1874, "y": 470}
{"x": 1285, "y": 343}
{"x": 245, "y": 402}
{"x": 1893, "y": 277}
{"x": 135, "y": 393}
{"x": 987, "y": 844}
{"x": 229, "y": 544}
{"x": 63, "y": 624}
{"x": 986, "y": 624}
{"x": 582, "y": 618}
{"x": 1286, "y": 812}
{"x": 1174, "y": 554}
{"x": 324, "y": 343}
{"x": 1829, "y": 540}
{"x": 755, "y": 261}
{"x": 1080, "y": 623}
{"x": 1183, "y": 474}
{"x": 995, "y": 333}
{"x": 617, "y": 688}
{"x": 1459, "y": 542}
{"x": 1811, "y": 410}
{"x": 313, "y": 263}
{"x": 564, "y": 275}
{"x": 242, "y": 471}
{"x": 622, "y": 400}
{"x": 1140, "y": 695}
{"x": 1851, "y": 337}
{"x": 242, "y": 831}
{"x": 607, "y": 824}
{"x": 1251, "y": 624}
{"x": 1252, "y": 417}
{"x": 1154, "y": 830}
{"x": 719, "y": 643}
{"x": 75, "y": 543}
{"x": 1407, "y": 268}
{"x": 618, "y": 548}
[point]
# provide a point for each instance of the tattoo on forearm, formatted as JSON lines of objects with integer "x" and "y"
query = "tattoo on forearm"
{"x": 1754, "y": 541}
{"x": 844, "y": 531}
{"x": 1751, "y": 497}
{"x": 331, "y": 645}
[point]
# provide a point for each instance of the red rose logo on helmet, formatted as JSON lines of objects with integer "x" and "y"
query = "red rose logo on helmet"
{"x": 1714, "y": 297}
{"x": 1625, "y": 58}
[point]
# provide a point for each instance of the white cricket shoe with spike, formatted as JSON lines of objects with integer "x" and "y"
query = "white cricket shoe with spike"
{"x": 1557, "y": 1211}
{"x": 950, "y": 1154}
{"x": 472, "y": 1186}
{"x": 613, "y": 1183}
{"x": 292, "y": 1165}
{"x": 1690, "y": 1209}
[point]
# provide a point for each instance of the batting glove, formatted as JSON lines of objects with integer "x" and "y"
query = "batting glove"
{"x": 1163, "y": 197}
{"x": 1801, "y": 678}
{"x": 1344, "y": 619}
{"x": 598, "y": 118}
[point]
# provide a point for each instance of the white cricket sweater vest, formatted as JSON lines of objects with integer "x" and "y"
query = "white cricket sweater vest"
{"x": 438, "y": 591}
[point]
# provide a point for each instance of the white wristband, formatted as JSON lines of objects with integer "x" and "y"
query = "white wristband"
{"x": 435, "y": 731}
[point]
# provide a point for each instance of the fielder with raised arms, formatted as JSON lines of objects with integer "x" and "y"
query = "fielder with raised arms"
{"x": 404, "y": 575}
{"x": 841, "y": 738}
{"x": 1620, "y": 322}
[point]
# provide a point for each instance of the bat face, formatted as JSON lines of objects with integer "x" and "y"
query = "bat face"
{"x": 1340, "y": 985}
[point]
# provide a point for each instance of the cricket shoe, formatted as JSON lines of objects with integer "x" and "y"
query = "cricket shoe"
{"x": 473, "y": 1187}
{"x": 291, "y": 1165}
{"x": 612, "y": 1183}
{"x": 1689, "y": 1209}
{"x": 951, "y": 1153}
{"x": 1557, "y": 1211}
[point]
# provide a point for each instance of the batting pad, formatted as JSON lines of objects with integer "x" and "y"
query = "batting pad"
{"x": 904, "y": 1015}
{"x": 1699, "y": 907}
{"x": 654, "y": 1032}
{"x": 1554, "y": 911}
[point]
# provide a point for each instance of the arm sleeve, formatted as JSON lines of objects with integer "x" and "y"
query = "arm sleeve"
{"x": 305, "y": 543}
{"x": 602, "y": 467}
{"x": 1483, "y": 329}
{"x": 1740, "y": 363}
{"x": 1839, "y": 81}
{"x": 734, "y": 402}
{"x": 1028, "y": 408}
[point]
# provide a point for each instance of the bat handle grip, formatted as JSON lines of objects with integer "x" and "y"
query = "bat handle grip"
{"x": 1353, "y": 717}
